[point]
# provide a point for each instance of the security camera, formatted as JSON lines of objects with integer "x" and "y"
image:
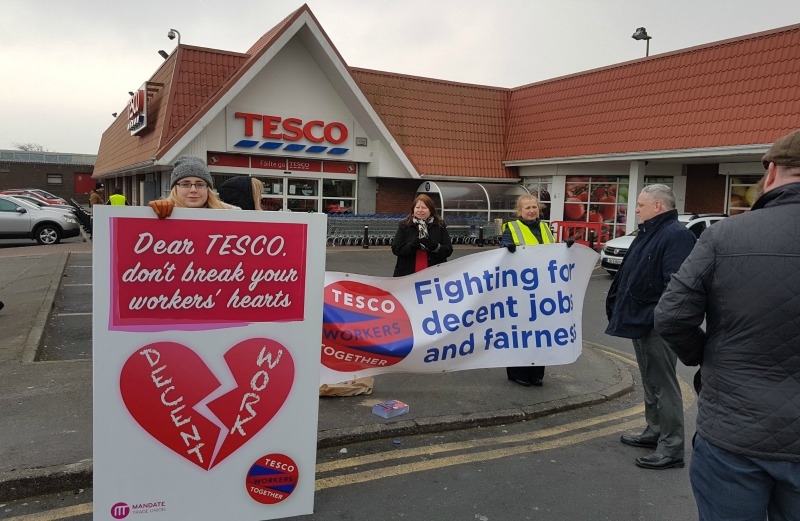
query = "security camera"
{"x": 171, "y": 34}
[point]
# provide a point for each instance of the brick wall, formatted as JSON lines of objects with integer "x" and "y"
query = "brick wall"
{"x": 34, "y": 175}
{"x": 705, "y": 189}
{"x": 396, "y": 196}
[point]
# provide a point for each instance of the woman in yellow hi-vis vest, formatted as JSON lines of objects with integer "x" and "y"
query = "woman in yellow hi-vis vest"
{"x": 527, "y": 230}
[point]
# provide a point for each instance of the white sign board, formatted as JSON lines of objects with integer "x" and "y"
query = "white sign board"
{"x": 206, "y": 363}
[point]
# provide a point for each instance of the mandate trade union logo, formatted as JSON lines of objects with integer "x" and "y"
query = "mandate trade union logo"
{"x": 120, "y": 510}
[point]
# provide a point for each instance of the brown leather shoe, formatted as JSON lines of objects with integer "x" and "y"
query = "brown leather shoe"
{"x": 658, "y": 461}
{"x": 639, "y": 441}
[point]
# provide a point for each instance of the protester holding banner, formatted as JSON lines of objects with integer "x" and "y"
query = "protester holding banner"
{"x": 527, "y": 230}
{"x": 421, "y": 239}
{"x": 242, "y": 191}
{"x": 191, "y": 187}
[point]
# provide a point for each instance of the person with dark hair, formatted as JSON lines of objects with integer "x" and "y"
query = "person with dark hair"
{"x": 242, "y": 191}
{"x": 742, "y": 281}
{"x": 658, "y": 250}
{"x": 421, "y": 239}
{"x": 191, "y": 187}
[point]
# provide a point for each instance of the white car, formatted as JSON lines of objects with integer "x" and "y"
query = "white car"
{"x": 23, "y": 220}
{"x": 615, "y": 249}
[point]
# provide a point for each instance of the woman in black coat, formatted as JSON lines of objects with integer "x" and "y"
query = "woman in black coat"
{"x": 421, "y": 239}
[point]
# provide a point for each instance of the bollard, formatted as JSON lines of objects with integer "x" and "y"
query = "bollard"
{"x": 366, "y": 238}
{"x": 480, "y": 236}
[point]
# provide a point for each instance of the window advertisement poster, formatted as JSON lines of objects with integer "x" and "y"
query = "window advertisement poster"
{"x": 206, "y": 363}
{"x": 488, "y": 309}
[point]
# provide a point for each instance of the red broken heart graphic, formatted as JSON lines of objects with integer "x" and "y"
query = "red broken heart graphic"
{"x": 161, "y": 384}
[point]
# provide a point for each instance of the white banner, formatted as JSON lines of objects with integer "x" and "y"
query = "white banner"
{"x": 488, "y": 309}
{"x": 206, "y": 369}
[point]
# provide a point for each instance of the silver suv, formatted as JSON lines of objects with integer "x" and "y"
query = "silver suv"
{"x": 22, "y": 220}
{"x": 615, "y": 249}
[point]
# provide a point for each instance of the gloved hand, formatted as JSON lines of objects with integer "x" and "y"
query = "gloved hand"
{"x": 429, "y": 244}
{"x": 511, "y": 247}
{"x": 570, "y": 241}
{"x": 162, "y": 207}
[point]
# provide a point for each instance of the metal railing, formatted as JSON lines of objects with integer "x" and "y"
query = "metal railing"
{"x": 84, "y": 217}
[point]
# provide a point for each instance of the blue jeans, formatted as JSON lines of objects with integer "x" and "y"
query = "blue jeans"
{"x": 730, "y": 487}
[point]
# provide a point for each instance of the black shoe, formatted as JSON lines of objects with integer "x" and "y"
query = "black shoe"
{"x": 537, "y": 382}
{"x": 2, "y": 305}
{"x": 658, "y": 461}
{"x": 638, "y": 441}
{"x": 520, "y": 381}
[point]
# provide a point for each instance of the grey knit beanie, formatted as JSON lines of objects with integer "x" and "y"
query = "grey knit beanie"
{"x": 190, "y": 166}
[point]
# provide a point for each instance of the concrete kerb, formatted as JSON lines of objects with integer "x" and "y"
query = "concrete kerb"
{"x": 337, "y": 437}
{"x": 40, "y": 320}
{"x": 27, "y": 483}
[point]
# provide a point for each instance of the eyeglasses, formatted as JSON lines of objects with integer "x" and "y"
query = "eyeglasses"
{"x": 187, "y": 185}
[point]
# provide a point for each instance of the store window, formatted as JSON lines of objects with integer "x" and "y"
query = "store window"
{"x": 742, "y": 193}
{"x": 540, "y": 187}
{"x": 597, "y": 199}
{"x": 669, "y": 181}
{"x": 302, "y": 195}
{"x": 338, "y": 196}
{"x": 55, "y": 179}
{"x": 272, "y": 196}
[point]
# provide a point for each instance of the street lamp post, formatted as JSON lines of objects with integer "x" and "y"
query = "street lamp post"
{"x": 641, "y": 34}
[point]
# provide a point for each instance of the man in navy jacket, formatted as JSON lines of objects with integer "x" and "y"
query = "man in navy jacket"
{"x": 659, "y": 249}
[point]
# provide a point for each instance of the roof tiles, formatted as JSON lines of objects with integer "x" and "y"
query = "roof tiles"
{"x": 736, "y": 92}
{"x": 731, "y": 93}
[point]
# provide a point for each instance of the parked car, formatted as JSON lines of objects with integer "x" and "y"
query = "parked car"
{"x": 614, "y": 250}
{"x": 23, "y": 220}
{"x": 35, "y": 192}
{"x": 41, "y": 204}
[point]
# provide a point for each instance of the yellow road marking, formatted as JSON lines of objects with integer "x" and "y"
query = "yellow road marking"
{"x": 55, "y": 515}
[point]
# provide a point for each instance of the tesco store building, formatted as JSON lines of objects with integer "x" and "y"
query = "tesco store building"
{"x": 325, "y": 137}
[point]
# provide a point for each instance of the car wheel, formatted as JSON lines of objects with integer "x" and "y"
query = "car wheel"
{"x": 48, "y": 234}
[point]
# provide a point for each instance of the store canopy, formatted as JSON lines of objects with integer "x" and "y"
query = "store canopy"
{"x": 484, "y": 201}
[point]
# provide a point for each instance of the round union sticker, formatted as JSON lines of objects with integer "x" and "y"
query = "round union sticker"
{"x": 272, "y": 478}
{"x": 363, "y": 327}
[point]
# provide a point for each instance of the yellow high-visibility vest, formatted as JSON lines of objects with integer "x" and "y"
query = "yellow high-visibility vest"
{"x": 524, "y": 235}
{"x": 117, "y": 200}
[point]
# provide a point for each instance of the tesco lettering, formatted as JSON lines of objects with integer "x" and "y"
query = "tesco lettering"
{"x": 286, "y": 467}
{"x": 361, "y": 302}
{"x": 294, "y": 129}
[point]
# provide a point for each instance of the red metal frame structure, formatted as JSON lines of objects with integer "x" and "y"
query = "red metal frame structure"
{"x": 593, "y": 235}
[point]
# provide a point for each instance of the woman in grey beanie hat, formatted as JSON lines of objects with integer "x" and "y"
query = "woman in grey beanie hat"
{"x": 191, "y": 185}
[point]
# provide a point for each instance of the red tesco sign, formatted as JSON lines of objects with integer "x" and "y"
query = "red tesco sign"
{"x": 294, "y": 129}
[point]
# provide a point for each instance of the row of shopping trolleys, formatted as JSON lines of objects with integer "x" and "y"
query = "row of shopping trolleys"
{"x": 380, "y": 229}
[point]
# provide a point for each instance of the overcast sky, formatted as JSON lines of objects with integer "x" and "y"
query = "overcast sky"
{"x": 65, "y": 66}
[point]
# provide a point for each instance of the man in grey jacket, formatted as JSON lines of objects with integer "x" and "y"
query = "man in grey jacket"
{"x": 743, "y": 279}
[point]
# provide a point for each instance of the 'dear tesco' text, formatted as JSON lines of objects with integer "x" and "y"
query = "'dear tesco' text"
{"x": 218, "y": 245}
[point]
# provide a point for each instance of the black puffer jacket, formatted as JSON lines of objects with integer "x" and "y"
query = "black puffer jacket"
{"x": 743, "y": 278}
